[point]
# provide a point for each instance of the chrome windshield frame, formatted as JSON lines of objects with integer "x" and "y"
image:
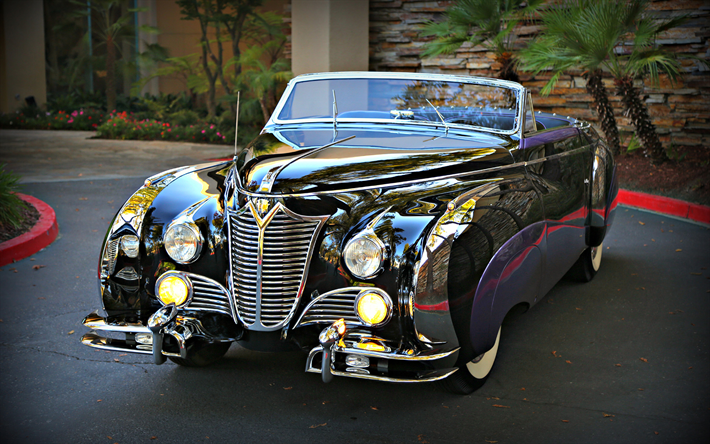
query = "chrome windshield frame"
{"x": 518, "y": 89}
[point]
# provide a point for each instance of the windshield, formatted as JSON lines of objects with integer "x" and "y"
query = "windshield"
{"x": 459, "y": 103}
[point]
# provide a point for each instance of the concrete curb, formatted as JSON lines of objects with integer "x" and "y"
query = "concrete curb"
{"x": 665, "y": 205}
{"x": 42, "y": 234}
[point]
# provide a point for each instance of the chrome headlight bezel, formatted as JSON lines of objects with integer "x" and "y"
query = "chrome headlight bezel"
{"x": 194, "y": 231}
{"x": 384, "y": 296}
{"x": 182, "y": 277}
{"x": 373, "y": 271}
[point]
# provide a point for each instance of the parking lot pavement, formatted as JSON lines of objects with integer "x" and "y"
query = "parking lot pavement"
{"x": 622, "y": 359}
{"x": 50, "y": 156}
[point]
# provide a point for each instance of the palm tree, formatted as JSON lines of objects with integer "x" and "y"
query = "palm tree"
{"x": 482, "y": 22}
{"x": 611, "y": 35}
{"x": 112, "y": 25}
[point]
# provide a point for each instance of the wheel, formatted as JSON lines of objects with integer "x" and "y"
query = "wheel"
{"x": 471, "y": 376}
{"x": 587, "y": 265}
{"x": 202, "y": 354}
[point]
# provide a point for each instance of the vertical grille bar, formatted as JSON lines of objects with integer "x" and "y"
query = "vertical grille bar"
{"x": 266, "y": 294}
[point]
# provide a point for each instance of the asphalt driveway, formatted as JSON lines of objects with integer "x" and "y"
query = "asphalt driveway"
{"x": 621, "y": 359}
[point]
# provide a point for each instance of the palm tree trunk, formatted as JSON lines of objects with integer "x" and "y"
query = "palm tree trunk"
{"x": 638, "y": 113}
{"x": 596, "y": 89}
{"x": 110, "y": 74}
{"x": 507, "y": 70}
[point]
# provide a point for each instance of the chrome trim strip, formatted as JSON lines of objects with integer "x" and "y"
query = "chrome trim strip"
{"x": 339, "y": 291}
{"x": 515, "y": 87}
{"x": 416, "y": 181}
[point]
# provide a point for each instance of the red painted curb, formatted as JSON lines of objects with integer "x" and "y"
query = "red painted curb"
{"x": 42, "y": 234}
{"x": 665, "y": 205}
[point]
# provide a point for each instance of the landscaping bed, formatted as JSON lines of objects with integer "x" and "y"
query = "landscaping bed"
{"x": 686, "y": 178}
{"x": 30, "y": 216}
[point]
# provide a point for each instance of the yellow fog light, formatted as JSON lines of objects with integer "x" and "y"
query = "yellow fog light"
{"x": 373, "y": 308}
{"x": 173, "y": 287}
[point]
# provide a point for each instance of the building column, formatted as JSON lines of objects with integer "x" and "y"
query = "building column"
{"x": 148, "y": 17}
{"x": 329, "y": 35}
{"x": 22, "y": 60}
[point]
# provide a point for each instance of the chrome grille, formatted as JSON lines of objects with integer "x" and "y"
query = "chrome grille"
{"x": 332, "y": 306}
{"x": 266, "y": 295}
{"x": 110, "y": 254}
{"x": 208, "y": 295}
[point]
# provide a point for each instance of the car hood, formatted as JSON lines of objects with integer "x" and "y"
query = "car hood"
{"x": 283, "y": 161}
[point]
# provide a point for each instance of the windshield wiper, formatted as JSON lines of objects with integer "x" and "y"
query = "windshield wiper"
{"x": 335, "y": 113}
{"x": 446, "y": 126}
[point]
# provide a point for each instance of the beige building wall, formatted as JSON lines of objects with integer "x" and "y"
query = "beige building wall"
{"x": 22, "y": 62}
{"x": 182, "y": 37}
{"x": 329, "y": 35}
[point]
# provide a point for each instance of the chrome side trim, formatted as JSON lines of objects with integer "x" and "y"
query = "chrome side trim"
{"x": 416, "y": 181}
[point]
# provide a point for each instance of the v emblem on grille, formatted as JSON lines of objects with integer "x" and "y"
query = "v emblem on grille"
{"x": 259, "y": 209}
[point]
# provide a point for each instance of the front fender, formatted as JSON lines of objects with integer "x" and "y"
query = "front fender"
{"x": 146, "y": 214}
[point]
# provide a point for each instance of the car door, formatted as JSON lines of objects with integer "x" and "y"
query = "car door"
{"x": 558, "y": 165}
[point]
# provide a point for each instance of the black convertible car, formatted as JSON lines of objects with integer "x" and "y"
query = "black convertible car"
{"x": 382, "y": 223}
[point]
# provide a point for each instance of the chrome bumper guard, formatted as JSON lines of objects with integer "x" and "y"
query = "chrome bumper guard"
{"x": 368, "y": 354}
{"x": 179, "y": 327}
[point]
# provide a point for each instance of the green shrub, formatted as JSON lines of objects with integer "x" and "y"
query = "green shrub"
{"x": 11, "y": 206}
{"x": 78, "y": 120}
{"x": 184, "y": 117}
{"x": 127, "y": 127}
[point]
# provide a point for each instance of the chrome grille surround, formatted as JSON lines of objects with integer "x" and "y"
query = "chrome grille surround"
{"x": 269, "y": 261}
{"x": 329, "y": 307}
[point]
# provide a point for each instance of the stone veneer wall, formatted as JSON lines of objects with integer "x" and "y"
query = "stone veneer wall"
{"x": 681, "y": 112}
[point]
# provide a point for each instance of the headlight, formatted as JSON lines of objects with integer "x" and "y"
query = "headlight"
{"x": 183, "y": 242}
{"x": 130, "y": 245}
{"x": 173, "y": 287}
{"x": 373, "y": 308}
{"x": 363, "y": 256}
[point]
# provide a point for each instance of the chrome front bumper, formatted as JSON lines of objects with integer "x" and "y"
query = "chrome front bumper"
{"x": 139, "y": 338}
{"x": 359, "y": 354}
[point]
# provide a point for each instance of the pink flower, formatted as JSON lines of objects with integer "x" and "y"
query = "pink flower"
{"x": 203, "y": 131}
